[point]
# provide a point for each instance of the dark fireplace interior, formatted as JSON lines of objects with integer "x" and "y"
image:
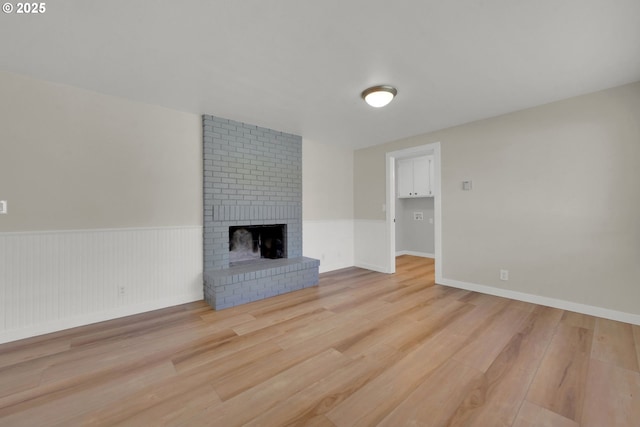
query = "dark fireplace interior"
{"x": 249, "y": 243}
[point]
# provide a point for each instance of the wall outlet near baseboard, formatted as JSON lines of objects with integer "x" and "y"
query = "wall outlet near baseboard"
{"x": 504, "y": 274}
{"x": 121, "y": 291}
{"x": 3, "y": 207}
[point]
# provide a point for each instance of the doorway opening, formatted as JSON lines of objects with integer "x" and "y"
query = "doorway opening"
{"x": 391, "y": 158}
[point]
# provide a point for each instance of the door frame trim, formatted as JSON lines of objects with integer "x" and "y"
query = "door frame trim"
{"x": 391, "y": 157}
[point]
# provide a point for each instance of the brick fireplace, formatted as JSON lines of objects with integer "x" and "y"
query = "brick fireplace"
{"x": 252, "y": 179}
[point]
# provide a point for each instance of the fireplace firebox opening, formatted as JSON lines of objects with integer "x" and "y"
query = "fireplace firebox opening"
{"x": 249, "y": 243}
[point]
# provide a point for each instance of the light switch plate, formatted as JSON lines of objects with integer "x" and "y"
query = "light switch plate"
{"x": 3, "y": 206}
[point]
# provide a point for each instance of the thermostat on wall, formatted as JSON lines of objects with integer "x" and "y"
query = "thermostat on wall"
{"x": 3, "y": 206}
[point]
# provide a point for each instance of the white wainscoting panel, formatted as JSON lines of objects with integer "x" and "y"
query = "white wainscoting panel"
{"x": 330, "y": 241}
{"x": 56, "y": 280}
{"x": 370, "y": 245}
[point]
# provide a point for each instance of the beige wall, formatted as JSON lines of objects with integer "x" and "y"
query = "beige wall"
{"x": 327, "y": 181}
{"x": 327, "y": 204}
{"x": 555, "y": 198}
{"x": 75, "y": 159}
{"x": 105, "y": 207}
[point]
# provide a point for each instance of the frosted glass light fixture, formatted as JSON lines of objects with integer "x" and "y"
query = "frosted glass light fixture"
{"x": 379, "y": 96}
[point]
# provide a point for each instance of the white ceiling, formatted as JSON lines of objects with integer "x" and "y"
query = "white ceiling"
{"x": 299, "y": 66}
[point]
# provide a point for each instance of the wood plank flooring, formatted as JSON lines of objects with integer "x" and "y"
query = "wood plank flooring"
{"x": 360, "y": 349}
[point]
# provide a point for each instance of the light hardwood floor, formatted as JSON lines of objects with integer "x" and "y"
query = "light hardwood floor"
{"x": 361, "y": 349}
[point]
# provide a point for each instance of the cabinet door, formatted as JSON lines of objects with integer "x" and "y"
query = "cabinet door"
{"x": 405, "y": 178}
{"x": 421, "y": 185}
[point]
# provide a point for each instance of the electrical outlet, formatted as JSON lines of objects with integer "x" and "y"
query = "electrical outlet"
{"x": 121, "y": 291}
{"x": 504, "y": 274}
{"x": 3, "y": 206}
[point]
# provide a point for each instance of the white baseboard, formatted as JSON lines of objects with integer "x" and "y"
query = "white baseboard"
{"x": 372, "y": 267}
{"x": 546, "y": 301}
{"x": 414, "y": 253}
{"x": 62, "y": 324}
{"x": 325, "y": 267}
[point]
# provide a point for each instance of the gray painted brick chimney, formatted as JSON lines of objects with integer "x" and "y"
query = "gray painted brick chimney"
{"x": 252, "y": 176}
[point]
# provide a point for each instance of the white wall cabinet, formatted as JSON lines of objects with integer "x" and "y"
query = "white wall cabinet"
{"x": 415, "y": 177}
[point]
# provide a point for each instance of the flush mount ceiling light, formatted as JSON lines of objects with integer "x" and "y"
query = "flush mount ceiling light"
{"x": 379, "y": 96}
